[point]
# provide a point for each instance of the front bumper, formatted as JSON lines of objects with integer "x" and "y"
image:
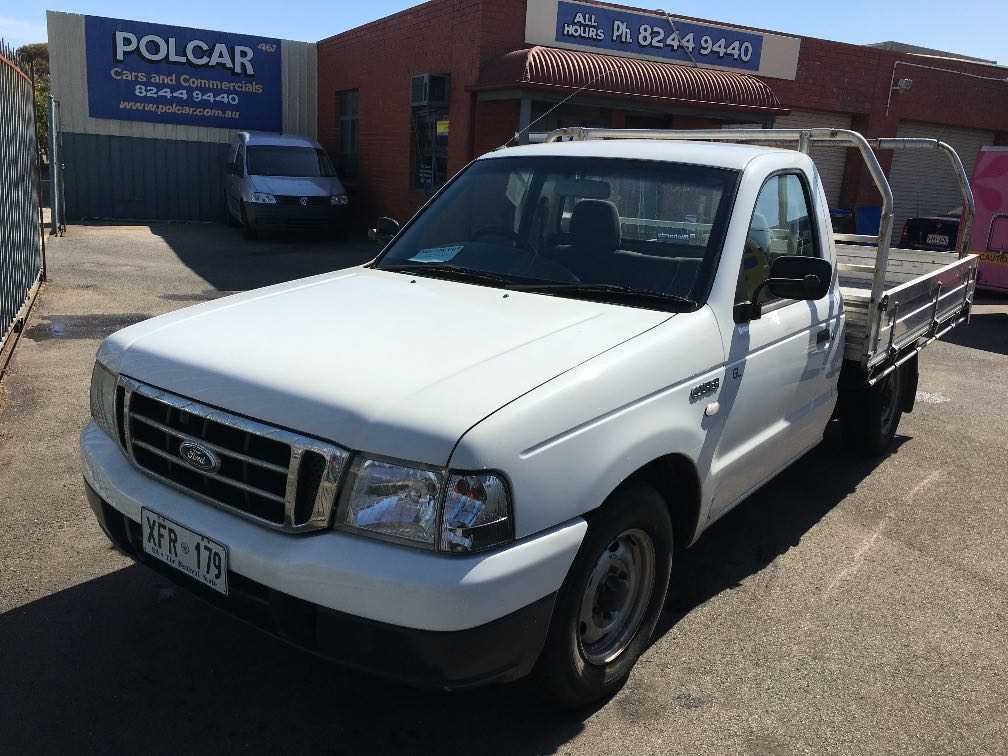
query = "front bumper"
{"x": 295, "y": 217}
{"x": 405, "y": 613}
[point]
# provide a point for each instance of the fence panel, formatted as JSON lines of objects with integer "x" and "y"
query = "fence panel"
{"x": 21, "y": 256}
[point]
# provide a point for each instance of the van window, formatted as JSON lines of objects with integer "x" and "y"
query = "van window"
{"x": 277, "y": 160}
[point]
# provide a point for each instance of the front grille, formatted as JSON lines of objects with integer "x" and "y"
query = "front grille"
{"x": 309, "y": 201}
{"x": 272, "y": 475}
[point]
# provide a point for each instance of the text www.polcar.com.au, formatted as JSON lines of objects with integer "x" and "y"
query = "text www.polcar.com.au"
{"x": 164, "y": 107}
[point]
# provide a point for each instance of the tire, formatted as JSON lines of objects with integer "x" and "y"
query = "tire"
{"x": 248, "y": 229}
{"x": 582, "y": 662}
{"x": 870, "y": 418}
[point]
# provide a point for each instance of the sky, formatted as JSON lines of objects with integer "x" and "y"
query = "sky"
{"x": 976, "y": 28}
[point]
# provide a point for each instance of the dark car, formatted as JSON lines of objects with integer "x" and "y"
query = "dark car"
{"x": 937, "y": 233}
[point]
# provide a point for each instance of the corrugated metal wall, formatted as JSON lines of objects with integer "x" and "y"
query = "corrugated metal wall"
{"x": 153, "y": 171}
{"x": 109, "y": 177}
{"x": 921, "y": 181}
{"x": 830, "y": 161}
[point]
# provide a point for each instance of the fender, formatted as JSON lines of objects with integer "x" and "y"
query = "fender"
{"x": 569, "y": 443}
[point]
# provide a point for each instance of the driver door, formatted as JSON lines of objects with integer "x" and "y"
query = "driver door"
{"x": 776, "y": 371}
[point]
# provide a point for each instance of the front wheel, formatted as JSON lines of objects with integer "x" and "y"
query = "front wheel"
{"x": 609, "y": 603}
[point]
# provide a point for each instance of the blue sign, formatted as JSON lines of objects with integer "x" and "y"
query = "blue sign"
{"x": 623, "y": 31}
{"x": 169, "y": 74}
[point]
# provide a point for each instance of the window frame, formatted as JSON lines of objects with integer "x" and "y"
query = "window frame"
{"x": 348, "y": 163}
{"x": 771, "y": 305}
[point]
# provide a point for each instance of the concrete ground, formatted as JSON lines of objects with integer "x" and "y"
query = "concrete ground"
{"x": 849, "y": 607}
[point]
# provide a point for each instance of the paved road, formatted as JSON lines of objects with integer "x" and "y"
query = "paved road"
{"x": 849, "y": 607}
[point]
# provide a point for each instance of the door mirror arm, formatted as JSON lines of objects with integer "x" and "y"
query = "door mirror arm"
{"x": 791, "y": 277}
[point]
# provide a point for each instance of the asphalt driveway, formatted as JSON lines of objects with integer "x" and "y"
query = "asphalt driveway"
{"x": 848, "y": 607}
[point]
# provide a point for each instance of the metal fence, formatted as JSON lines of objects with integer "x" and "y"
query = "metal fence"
{"x": 22, "y": 265}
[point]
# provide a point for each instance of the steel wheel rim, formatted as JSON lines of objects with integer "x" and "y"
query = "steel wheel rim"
{"x": 616, "y": 596}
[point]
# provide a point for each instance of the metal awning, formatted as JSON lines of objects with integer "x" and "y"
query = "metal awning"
{"x": 549, "y": 68}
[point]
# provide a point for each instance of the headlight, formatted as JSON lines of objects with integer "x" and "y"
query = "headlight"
{"x": 103, "y": 390}
{"x": 339, "y": 200}
{"x": 392, "y": 501}
{"x": 469, "y": 512}
{"x": 477, "y": 513}
{"x": 261, "y": 198}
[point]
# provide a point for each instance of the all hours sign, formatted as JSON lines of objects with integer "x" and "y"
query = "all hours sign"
{"x": 168, "y": 74}
{"x": 617, "y": 30}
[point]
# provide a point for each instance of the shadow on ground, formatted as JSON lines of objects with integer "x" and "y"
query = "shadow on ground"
{"x": 127, "y": 663}
{"x": 229, "y": 262}
{"x": 987, "y": 330}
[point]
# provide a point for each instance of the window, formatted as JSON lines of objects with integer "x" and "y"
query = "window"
{"x": 239, "y": 163}
{"x": 645, "y": 226}
{"x": 781, "y": 225}
{"x": 347, "y": 108}
{"x": 430, "y": 148}
{"x": 276, "y": 160}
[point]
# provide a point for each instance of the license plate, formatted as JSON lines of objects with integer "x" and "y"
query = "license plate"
{"x": 938, "y": 240}
{"x": 194, "y": 554}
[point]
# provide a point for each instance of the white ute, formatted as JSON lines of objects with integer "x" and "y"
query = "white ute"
{"x": 475, "y": 457}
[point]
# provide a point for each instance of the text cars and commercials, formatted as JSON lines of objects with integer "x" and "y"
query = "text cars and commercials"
{"x": 169, "y": 74}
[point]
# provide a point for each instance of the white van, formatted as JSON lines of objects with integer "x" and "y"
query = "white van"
{"x": 282, "y": 182}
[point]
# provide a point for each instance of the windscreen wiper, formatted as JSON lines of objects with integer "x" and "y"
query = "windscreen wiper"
{"x": 452, "y": 272}
{"x": 612, "y": 293}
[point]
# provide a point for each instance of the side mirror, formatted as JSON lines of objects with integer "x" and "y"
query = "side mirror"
{"x": 791, "y": 277}
{"x": 385, "y": 229}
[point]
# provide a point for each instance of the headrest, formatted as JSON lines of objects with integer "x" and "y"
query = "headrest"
{"x": 595, "y": 224}
{"x": 759, "y": 232}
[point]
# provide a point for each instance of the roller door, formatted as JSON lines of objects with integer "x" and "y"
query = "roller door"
{"x": 830, "y": 161}
{"x": 921, "y": 181}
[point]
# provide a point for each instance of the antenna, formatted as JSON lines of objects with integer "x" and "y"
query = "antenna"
{"x": 675, "y": 31}
{"x": 518, "y": 134}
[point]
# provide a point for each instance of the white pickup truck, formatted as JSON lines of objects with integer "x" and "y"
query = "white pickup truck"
{"x": 476, "y": 457}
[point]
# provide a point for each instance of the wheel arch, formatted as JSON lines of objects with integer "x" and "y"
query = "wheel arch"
{"x": 675, "y": 477}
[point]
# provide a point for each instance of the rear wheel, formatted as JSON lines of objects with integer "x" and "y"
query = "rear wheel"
{"x": 609, "y": 603}
{"x": 870, "y": 419}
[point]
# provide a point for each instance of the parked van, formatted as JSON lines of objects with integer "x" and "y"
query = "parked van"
{"x": 282, "y": 182}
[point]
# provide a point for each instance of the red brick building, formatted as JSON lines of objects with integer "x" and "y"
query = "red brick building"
{"x": 498, "y": 65}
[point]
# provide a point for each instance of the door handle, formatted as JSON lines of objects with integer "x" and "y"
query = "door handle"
{"x": 822, "y": 337}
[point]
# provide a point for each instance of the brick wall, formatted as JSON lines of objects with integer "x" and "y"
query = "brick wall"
{"x": 455, "y": 36}
{"x": 496, "y": 122}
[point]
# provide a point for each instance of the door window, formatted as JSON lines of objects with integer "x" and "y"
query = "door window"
{"x": 781, "y": 224}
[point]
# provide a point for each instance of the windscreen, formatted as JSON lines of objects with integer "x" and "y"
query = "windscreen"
{"x": 643, "y": 225}
{"x": 275, "y": 160}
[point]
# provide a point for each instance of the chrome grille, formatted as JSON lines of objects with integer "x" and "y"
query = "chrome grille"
{"x": 268, "y": 474}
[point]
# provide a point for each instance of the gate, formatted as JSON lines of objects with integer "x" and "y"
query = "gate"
{"x": 22, "y": 265}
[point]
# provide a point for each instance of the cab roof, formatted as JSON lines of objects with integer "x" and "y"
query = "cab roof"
{"x": 714, "y": 154}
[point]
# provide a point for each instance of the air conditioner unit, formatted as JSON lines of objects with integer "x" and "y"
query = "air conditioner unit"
{"x": 429, "y": 90}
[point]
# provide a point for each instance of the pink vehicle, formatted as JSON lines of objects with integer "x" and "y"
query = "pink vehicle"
{"x": 990, "y": 225}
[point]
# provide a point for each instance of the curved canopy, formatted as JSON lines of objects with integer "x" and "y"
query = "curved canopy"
{"x": 611, "y": 75}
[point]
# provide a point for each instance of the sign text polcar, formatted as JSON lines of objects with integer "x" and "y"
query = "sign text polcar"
{"x": 168, "y": 74}
{"x": 650, "y": 34}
